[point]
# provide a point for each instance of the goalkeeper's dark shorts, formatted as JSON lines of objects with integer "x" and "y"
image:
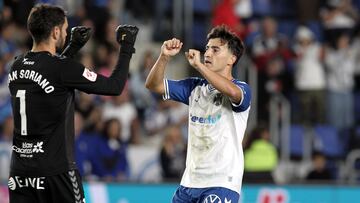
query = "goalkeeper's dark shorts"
{"x": 62, "y": 188}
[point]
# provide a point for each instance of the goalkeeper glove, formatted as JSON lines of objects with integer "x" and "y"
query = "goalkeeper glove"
{"x": 79, "y": 36}
{"x": 126, "y": 37}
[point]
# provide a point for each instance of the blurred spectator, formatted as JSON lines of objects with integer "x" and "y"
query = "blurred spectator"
{"x": 101, "y": 55}
{"x": 141, "y": 96}
{"x": 337, "y": 16}
{"x": 163, "y": 114}
{"x": 244, "y": 9}
{"x": 141, "y": 9}
{"x": 340, "y": 63}
{"x": 172, "y": 154}
{"x": 6, "y": 136}
{"x": 92, "y": 115}
{"x": 260, "y": 157}
{"x": 7, "y": 43}
{"x": 319, "y": 171}
{"x": 5, "y": 104}
{"x": 109, "y": 162}
{"x": 269, "y": 43}
{"x": 121, "y": 108}
{"x": 156, "y": 117}
{"x": 99, "y": 13}
{"x": 7, "y": 128}
{"x": 84, "y": 143}
{"x": 310, "y": 78}
{"x": 110, "y": 36}
{"x": 308, "y": 11}
{"x": 271, "y": 55}
{"x": 224, "y": 14}
{"x": 20, "y": 8}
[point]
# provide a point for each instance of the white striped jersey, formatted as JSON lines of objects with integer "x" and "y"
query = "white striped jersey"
{"x": 215, "y": 133}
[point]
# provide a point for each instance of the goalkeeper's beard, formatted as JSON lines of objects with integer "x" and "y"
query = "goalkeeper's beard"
{"x": 60, "y": 44}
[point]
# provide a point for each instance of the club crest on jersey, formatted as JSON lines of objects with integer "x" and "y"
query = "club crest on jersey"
{"x": 212, "y": 199}
{"x": 217, "y": 99}
{"x": 88, "y": 74}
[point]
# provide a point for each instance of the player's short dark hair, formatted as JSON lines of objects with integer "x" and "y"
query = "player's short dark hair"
{"x": 42, "y": 19}
{"x": 235, "y": 44}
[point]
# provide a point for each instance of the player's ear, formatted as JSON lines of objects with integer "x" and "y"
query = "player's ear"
{"x": 232, "y": 59}
{"x": 55, "y": 33}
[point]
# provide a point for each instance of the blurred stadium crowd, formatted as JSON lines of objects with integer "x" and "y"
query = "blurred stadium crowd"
{"x": 307, "y": 53}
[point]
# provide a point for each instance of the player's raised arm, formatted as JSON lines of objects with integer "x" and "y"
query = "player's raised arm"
{"x": 154, "y": 81}
{"x": 78, "y": 77}
{"x": 221, "y": 82}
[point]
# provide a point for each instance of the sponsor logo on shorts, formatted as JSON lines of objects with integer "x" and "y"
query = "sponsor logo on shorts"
{"x": 21, "y": 182}
{"x": 227, "y": 201}
{"x": 212, "y": 199}
{"x": 28, "y": 149}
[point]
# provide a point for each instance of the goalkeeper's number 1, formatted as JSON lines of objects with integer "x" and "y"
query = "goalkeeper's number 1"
{"x": 21, "y": 94}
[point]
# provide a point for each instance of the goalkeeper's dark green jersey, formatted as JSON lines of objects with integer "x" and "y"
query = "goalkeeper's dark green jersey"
{"x": 42, "y": 94}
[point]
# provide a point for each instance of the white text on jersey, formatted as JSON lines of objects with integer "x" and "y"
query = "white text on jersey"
{"x": 34, "y": 76}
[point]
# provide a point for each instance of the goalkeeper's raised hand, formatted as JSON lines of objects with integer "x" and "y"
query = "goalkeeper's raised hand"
{"x": 79, "y": 36}
{"x": 126, "y": 37}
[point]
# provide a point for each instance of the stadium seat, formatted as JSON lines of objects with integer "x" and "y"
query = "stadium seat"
{"x": 287, "y": 27}
{"x": 357, "y": 106}
{"x": 261, "y": 7}
{"x": 202, "y": 7}
{"x": 330, "y": 144}
{"x": 297, "y": 133}
{"x": 199, "y": 32}
{"x": 317, "y": 29}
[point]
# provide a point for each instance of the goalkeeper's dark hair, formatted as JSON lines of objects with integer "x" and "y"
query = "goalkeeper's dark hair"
{"x": 42, "y": 19}
{"x": 234, "y": 43}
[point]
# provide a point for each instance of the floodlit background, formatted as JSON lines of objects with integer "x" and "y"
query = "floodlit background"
{"x": 302, "y": 62}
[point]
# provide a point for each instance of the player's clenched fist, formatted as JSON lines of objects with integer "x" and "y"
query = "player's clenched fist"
{"x": 194, "y": 58}
{"x": 80, "y": 35}
{"x": 126, "y": 34}
{"x": 171, "y": 47}
{"x": 126, "y": 37}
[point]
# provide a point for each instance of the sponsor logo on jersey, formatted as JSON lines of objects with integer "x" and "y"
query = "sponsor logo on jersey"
{"x": 212, "y": 199}
{"x": 26, "y": 62}
{"x": 28, "y": 149}
{"x": 21, "y": 182}
{"x": 205, "y": 120}
{"x": 88, "y": 74}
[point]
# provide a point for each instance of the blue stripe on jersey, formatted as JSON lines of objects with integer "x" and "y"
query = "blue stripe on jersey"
{"x": 245, "y": 102}
{"x": 180, "y": 90}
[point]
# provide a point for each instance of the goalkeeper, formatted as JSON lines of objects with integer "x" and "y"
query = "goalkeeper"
{"x": 42, "y": 88}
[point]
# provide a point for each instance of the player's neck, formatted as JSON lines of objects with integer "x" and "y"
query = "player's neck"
{"x": 44, "y": 46}
{"x": 226, "y": 74}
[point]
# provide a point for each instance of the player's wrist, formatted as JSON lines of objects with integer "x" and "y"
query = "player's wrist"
{"x": 164, "y": 56}
{"x": 126, "y": 48}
